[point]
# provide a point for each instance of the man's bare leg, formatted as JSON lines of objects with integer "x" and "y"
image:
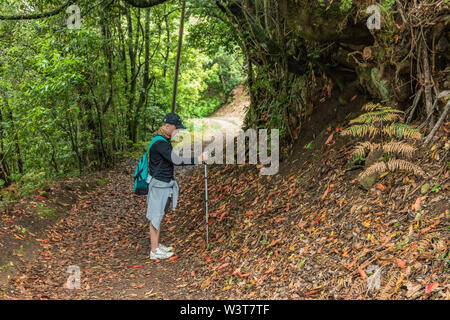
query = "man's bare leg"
{"x": 154, "y": 238}
{"x": 157, "y": 235}
{"x": 154, "y": 234}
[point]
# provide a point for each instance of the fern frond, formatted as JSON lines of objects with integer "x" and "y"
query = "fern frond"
{"x": 389, "y": 288}
{"x": 370, "y": 106}
{"x": 390, "y": 110}
{"x": 377, "y": 167}
{"x": 361, "y": 130}
{"x": 376, "y": 116}
{"x": 401, "y": 130}
{"x": 401, "y": 148}
{"x": 362, "y": 147}
{"x": 399, "y": 164}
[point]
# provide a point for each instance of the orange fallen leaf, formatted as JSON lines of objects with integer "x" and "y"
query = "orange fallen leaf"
{"x": 305, "y": 250}
{"x": 172, "y": 258}
{"x": 325, "y": 193}
{"x": 226, "y": 264}
{"x": 311, "y": 292}
{"x": 224, "y": 256}
{"x": 426, "y": 229}
{"x": 274, "y": 242}
{"x": 362, "y": 273}
{"x": 261, "y": 279}
{"x": 417, "y": 204}
{"x": 206, "y": 283}
{"x": 301, "y": 225}
{"x": 270, "y": 270}
{"x": 352, "y": 264}
{"x": 401, "y": 263}
{"x": 243, "y": 275}
{"x": 329, "y": 139}
{"x": 222, "y": 215}
{"x": 400, "y": 27}
{"x": 431, "y": 286}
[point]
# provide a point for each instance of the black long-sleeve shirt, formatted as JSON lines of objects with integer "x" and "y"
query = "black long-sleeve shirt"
{"x": 161, "y": 154}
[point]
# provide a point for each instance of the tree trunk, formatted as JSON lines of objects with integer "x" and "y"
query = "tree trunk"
{"x": 133, "y": 77}
{"x": 4, "y": 170}
{"x": 177, "y": 67}
{"x": 166, "y": 57}
{"x": 145, "y": 77}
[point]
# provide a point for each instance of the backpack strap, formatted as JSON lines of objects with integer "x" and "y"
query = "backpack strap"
{"x": 157, "y": 138}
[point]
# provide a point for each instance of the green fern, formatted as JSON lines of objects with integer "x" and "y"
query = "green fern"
{"x": 361, "y": 130}
{"x": 377, "y": 116}
{"x": 383, "y": 122}
{"x": 402, "y": 131}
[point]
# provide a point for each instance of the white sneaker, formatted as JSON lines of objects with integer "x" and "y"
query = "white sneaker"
{"x": 164, "y": 248}
{"x": 159, "y": 254}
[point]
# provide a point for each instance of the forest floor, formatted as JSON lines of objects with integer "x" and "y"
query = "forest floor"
{"x": 308, "y": 232}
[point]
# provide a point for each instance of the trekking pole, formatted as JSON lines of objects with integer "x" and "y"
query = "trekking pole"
{"x": 206, "y": 198}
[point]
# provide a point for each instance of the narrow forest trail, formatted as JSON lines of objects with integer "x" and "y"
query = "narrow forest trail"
{"x": 308, "y": 232}
{"x": 105, "y": 235}
{"x": 225, "y": 121}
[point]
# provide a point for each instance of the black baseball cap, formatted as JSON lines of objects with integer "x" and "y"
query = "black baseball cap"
{"x": 174, "y": 119}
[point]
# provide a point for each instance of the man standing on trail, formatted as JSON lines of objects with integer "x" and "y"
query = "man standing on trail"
{"x": 162, "y": 185}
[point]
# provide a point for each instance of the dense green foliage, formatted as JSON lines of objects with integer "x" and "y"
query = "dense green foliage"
{"x": 72, "y": 100}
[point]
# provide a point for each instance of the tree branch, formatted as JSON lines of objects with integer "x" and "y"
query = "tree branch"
{"x": 144, "y": 3}
{"x": 39, "y": 15}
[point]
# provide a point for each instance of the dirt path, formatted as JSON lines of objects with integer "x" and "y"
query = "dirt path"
{"x": 225, "y": 121}
{"x": 310, "y": 233}
{"x": 105, "y": 236}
